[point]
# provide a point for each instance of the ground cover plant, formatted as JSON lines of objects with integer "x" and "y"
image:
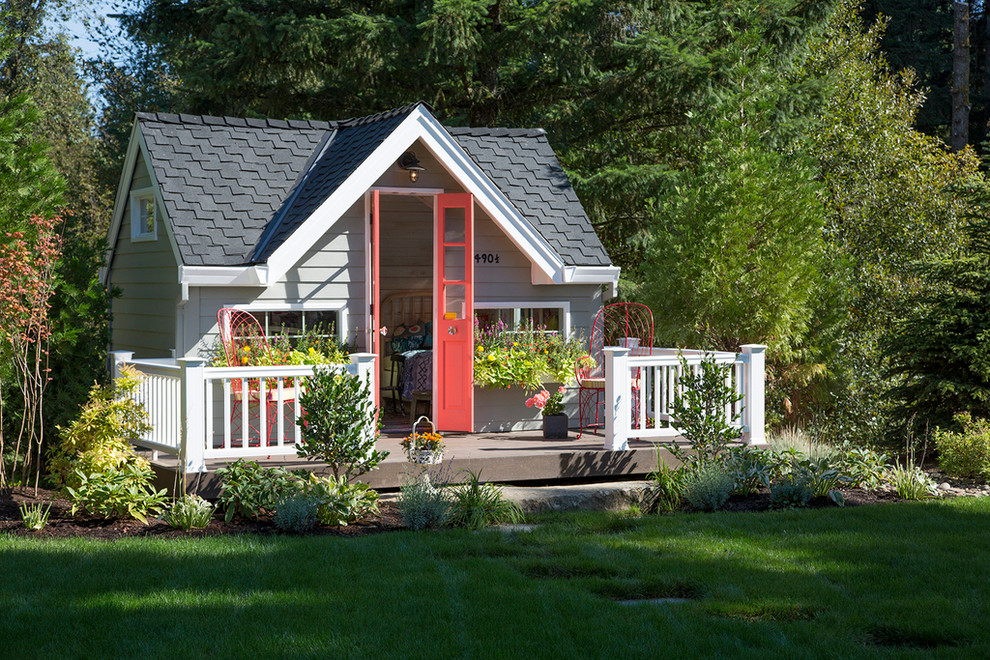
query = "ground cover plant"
{"x": 904, "y": 580}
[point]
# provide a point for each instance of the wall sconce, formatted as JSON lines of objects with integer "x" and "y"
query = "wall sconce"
{"x": 410, "y": 163}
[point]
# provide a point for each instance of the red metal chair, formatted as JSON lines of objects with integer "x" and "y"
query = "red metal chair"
{"x": 245, "y": 344}
{"x": 618, "y": 324}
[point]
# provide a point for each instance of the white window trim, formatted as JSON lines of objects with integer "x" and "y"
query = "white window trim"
{"x": 340, "y": 309}
{"x": 562, "y": 305}
{"x": 137, "y": 197}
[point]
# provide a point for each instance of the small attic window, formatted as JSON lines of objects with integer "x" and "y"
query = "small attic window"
{"x": 144, "y": 217}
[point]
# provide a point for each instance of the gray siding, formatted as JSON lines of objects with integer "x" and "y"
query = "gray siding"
{"x": 144, "y": 316}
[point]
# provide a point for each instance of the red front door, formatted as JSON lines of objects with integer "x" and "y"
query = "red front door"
{"x": 453, "y": 324}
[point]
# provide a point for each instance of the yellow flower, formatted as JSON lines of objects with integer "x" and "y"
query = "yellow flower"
{"x": 244, "y": 360}
{"x": 491, "y": 357}
{"x": 481, "y": 349}
{"x": 246, "y": 349}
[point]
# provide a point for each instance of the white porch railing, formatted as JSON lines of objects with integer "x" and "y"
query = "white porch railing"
{"x": 199, "y": 412}
{"x": 642, "y": 383}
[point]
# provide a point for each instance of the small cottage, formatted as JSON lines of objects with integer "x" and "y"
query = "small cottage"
{"x": 391, "y": 229}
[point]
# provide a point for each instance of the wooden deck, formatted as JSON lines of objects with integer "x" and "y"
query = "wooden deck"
{"x": 518, "y": 458}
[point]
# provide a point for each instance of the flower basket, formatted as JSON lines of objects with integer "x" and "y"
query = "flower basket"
{"x": 423, "y": 448}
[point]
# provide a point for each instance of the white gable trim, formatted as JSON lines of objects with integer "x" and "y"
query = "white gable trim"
{"x": 419, "y": 125}
{"x": 136, "y": 146}
{"x": 224, "y": 275}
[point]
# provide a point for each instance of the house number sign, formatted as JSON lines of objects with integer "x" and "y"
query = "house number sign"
{"x": 486, "y": 257}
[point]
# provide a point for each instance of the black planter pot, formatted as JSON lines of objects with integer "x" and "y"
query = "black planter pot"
{"x": 555, "y": 427}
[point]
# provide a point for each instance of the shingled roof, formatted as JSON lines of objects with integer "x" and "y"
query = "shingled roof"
{"x": 229, "y": 185}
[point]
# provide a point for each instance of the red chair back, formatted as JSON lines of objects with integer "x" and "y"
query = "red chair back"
{"x": 241, "y": 336}
{"x": 618, "y": 324}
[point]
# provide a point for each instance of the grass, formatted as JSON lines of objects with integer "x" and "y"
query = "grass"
{"x": 904, "y": 580}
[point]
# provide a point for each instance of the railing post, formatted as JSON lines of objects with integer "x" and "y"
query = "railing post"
{"x": 117, "y": 358}
{"x": 192, "y": 447}
{"x": 365, "y": 366}
{"x": 754, "y": 405}
{"x": 617, "y": 398}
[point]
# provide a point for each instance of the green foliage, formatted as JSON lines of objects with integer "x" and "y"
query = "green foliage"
{"x": 35, "y": 516}
{"x": 99, "y": 439}
{"x": 248, "y": 489}
{"x": 699, "y": 412}
{"x": 822, "y": 477}
{"x": 939, "y": 348}
{"x": 189, "y": 512}
{"x": 735, "y": 258}
{"x": 965, "y": 453}
{"x": 339, "y": 424}
{"x": 476, "y": 505}
{"x": 751, "y": 468}
{"x": 707, "y": 487}
{"x": 910, "y": 482}
{"x": 862, "y": 465}
{"x": 117, "y": 492}
{"x": 297, "y": 513}
{"x": 423, "y": 505}
{"x": 666, "y": 493}
{"x": 340, "y": 502}
{"x": 792, "y": 492}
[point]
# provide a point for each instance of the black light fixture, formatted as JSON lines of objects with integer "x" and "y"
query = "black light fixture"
{"x": 410, "y": 163}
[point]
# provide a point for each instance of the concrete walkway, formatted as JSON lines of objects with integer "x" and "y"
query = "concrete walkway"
{"x": 615, "y": 496}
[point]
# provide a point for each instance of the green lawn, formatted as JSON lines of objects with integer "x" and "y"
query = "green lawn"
{"x": 898, "y": 580}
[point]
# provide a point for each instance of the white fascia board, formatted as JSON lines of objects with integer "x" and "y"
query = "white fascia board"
{"x": 120, "y": 201}
{"x": 419, "y": 125}
{"x": 224, "y": 275}
{"x": 591, "y": 274}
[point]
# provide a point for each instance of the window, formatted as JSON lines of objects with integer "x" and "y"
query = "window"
{"x": 550, "y": 319}
{"x": 143, "y": 216}
{"x": 296, "y": 322}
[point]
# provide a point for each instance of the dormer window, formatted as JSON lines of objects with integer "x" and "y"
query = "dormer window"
{"x": 144, "y": 218}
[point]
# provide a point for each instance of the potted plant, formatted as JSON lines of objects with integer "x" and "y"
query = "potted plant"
{"x": 423, "y": 448}
{"x": 552, "y": 407}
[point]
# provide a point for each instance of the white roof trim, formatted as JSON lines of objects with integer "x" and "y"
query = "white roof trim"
{"x": 420, "y": 124}
{"x": 137, "y": 145}
{"x": 224, "y": 275}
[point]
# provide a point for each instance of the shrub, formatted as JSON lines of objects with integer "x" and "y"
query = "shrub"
{"x": 99, "y": 439}
{"x": 476, "y": 505}
{"x": 707, "y": 488}
{"x": 967, "y": 453}
{"x": 35, "y": 516}
{"x": 340, "y": 502}
{"x": 117, "y": 492}
{"x": 790, "y": 493}
{"x": 339, "y": 425}
{"x": 423, "y": 505}
{"x": 249, "y": 490}
{"x": 189, "y": 512}
{"x": 297, "y": 513}
{"x": 911, "y": 483}
{"x": 863, "y": 466}
{"x": 699, "y": 412}
{"x": 751, "y": 468}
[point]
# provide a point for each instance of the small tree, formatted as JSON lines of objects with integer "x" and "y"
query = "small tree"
{"x": 27, "y": 282}
{"x": 699, "y": 412}
{"x": 339, "y": 424}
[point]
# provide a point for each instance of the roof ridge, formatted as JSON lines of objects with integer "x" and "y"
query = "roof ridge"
{"x": 496, "y": 131}
{"x": 235, "y": 122}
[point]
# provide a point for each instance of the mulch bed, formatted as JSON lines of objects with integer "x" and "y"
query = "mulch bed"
{"x": 62, "y": 525}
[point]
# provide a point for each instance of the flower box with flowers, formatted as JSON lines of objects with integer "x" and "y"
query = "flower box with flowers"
{"x": 526, "y": 357}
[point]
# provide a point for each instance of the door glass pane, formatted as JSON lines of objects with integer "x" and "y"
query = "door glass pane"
{"x": 453, "y": 263}
{"x": 453, "y": 225}
{"x": 454, "y": 296}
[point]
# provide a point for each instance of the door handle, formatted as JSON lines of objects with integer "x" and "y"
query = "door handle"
{"x": 451, "y": 330}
